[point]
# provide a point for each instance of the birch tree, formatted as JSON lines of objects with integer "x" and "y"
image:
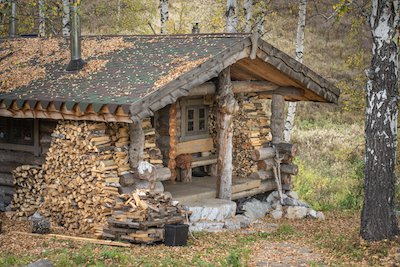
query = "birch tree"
{"x": 42, "y": 18}
{"x": 231, "y": 16}
{"x": 301, "y": 24}
{"x": 65, "y": 18}
{"x": 248, "y": 14}
{"x": 164, "y": 16}
{"x": 378, "y": 219}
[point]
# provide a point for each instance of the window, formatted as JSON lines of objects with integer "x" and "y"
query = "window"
{"x": 16, "y": 131}
{"x": 196, "y": 120}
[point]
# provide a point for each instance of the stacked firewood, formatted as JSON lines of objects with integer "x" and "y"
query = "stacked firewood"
{"x": 275, "y": 160}
{"x": 140, "y": 217}
{"x": 151, "y": 152}
{"x": 29, "y": 183}
{"x": 251, "y": 130}
{"x": 82, "y": 173}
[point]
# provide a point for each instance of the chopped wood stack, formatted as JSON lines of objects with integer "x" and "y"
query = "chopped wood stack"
{"x": 151, "y": 152}
{"x": 139, "y": 217}
{"x": 251, "y": 130}
{"x": 267, "y": 162}
{"x": 29, "y": 183}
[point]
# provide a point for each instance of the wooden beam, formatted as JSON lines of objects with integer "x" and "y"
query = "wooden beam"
{"x": 238, "y": 87}
{"x": 277, "y": 118}
{"x": 136, "y": 146}
{"x": 195, "y": 146}
{"x": 227, "y": 107}
{"x": 172, "y": 141}
{"x": 292, "y": 92}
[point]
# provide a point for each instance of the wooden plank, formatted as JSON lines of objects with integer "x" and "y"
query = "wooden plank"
{"x": 6, "y": 179}
{"x": 195, "y": 146}
{"x": 268, "y": 185}
{"x": 78, "y": 239}
{"x": 204, "y": 161}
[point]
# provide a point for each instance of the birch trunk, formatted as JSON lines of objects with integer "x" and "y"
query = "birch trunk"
{"x": 231, "y": 16}
{"x": 289, "y": 124}
{"x": 227, "y": 107}
{"x": 248, "y": 14}
{"x": 164, "y": 16}
{"x": 378, "y": 219}
{"x": 65, "y": 18}
{"x": 42, "y": 19}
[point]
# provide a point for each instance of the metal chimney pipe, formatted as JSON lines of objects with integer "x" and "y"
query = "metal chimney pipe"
{"x": 12, "y": 30}
{"x": 76, "y": 62}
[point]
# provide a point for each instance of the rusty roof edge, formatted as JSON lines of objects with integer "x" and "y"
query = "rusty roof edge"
{"x": 299, "y": 68}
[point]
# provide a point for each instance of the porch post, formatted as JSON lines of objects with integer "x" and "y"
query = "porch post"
{"x": 227, "y": 107}
{"x": 136, "y": 147}
{"x": 277, "y": 118}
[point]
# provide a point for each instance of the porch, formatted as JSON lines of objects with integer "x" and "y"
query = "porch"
{"x": 206, "y": 188}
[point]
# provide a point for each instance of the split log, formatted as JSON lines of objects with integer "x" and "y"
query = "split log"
{"x": 289, "y": 169}
{"x": 136, "y": 144}
{"x": 286, "y": 148}
{"x": 277, "y": 118}
{"x": 263, "y": 153}
{"x": 227, "y": 107}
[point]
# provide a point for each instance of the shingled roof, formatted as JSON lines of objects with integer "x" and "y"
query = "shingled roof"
{"x": 137, "y": 75}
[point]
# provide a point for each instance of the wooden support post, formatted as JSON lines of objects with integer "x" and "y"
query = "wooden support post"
{"x": 173, "y": 142}
{"x": 277, "y": 118}
{"x": 227, "y": 107}
{"x": 136, "y": 147}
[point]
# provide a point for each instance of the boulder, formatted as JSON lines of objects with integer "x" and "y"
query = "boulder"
{"x": 41, "y": 263}
{"x": 255, "y": 209}
{"x": 244, "y": 221}
{"x": 320, "y": 216}
{"x": 292, "y": 194}
{"x": 233, "y": 223}
{"x": 312, "y": 213}
{"x": 277, "y": 214}
{"x": 206, "y": 226}
{"x": 210, "y": 209}
{"x": 296, "y": 212}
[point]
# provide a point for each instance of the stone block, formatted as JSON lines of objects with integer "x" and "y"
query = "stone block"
{"x": 211, "y": 209}
{"x": 296, "y": 212}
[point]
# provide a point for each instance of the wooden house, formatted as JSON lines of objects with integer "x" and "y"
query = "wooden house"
{"x": 205, "y": 97}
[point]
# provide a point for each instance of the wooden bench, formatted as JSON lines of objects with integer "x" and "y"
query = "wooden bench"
{"x": 186, "y": 174}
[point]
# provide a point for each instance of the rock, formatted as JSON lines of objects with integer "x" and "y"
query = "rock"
{"x": 320, "y": 216}
{"x": 41, "y": 263}
{"x": 40, "y": 225}
{"x": 207, "y": 226}
{"x": 211, "y": 209}
{"x": 296, "y": 212}
{"x": 290, "y": 202}
{"x": 277, "y": 214}
{"x": 292, "y": 194}
{"x": 127, "y": 179}
{"x": 233, "y": 223}
{"x": 272, "y": 196}
{"x": 255, "y": 209}
{"x": 126, "y": 189}
{"x": 312, "y": 213}
{"x": 302, "y": 204}
{"x": 244, "y": 221}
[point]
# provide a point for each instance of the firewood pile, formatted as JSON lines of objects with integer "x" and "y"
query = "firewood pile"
{"x": 29, "y": 183}
{"x": 251, "y": 130}
{"x": 275, "y": 160}
{"x": 140, "y": 217}
{"x": 151, "y": 152}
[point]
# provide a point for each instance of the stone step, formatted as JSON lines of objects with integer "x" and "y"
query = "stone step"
{"x": 217, "y": 210}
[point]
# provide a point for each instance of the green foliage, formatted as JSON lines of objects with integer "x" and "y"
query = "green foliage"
{"x": 12, "y": 260}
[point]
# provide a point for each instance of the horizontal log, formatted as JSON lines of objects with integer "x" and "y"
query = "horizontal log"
{"x": 266, "y": 165}
{"x": 20, "y": 157}
{"x": 163, "y": 174}
{"x": 7, "y": 190}
{"x": 238, "y": 87}
{"x": 265, "y": 186}
{"x": 263, "y": 153}
{"x": 6, "y": 179}
{"x": 262, "y": 175}
{"x": 8, "y": 166}
{"x": 195, "y": 146}
{"x": 204, "y": 161}
{"x": 286, "y": 148}
{"x": 284, "y": 91}
{"x": 292, "y": 169}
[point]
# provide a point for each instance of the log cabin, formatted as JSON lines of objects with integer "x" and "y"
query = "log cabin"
{"x": 203, "y": 101}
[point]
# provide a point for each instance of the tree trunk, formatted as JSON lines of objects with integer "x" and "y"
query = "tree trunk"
{"x": 164, "y": 16}
{"x": 231, "y": 16}
{"x": 248, "y": 14}
{"x": 136, "y": 147}
{"x": 119, "y": 15}
{"x": 301, "y": 24}
{"x": 378, "y": 219}
{"x": 42, "y": 18}
{"x": 277, "y": 118}
{"x": 260, "y": 21}
{"x": 12, "y": 31}
{"x": 227, "y": 107}
{"x": 65, "y": 18}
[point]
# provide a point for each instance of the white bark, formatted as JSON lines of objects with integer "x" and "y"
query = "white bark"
{"x": 248, "y": 14}
{"x": 66, "y": 18}
{"x": 42, "y": 19}
{"x": 164, "y": 16}
{"x": 289, "y": 124}
{"x": 231, "y": 16}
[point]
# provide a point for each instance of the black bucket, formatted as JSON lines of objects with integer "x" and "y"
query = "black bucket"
{"x": 176, "y": 234}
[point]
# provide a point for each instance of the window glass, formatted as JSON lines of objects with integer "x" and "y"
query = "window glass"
{"x": 202, "y": 125}
{"x": 16, "y": 131}
{"x": 202, "y": 113}
{"x": 196, "y": 120}
{"x": 190, "y": 114}
{"x": 190, "y": 126}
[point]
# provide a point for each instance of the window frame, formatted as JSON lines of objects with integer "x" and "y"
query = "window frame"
{"x": 33, "y": 148}
{"x": 196, "y": 105}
